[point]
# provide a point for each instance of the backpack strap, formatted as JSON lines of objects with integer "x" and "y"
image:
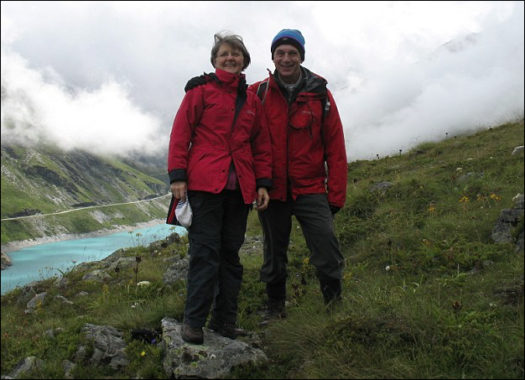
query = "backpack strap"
{"x": 263, "y": 88}
{"x": 239, "y": 101}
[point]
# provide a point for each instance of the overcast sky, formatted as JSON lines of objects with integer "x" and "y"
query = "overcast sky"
{"x": 109, "y": 76}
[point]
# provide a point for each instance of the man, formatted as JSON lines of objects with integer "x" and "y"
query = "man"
{"x": 309, "y": 171}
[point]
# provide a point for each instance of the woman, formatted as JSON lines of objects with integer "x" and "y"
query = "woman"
{"x": 220, "y": 154}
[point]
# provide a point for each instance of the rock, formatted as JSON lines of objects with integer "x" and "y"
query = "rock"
{"x": 109, "y": 346}
{"x": 517, "y": 150}
{"x": 96, "y": 275}
{"x": 508, "y": 220}
{"x": 381, "y": 186}
{"x": 36, "y": 302}
{"x": 26, "y": 366}
{"x": 63, "y": 299}
{"x": 177, "y": 271}
{"x": 502, "y": 231}
{"x": 6, "y": 261}
{"x": 214, "y": 359}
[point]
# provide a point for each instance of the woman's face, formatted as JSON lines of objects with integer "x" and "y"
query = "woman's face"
{"x": 229, "y": 59}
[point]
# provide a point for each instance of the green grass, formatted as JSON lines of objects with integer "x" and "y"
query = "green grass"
{"x": 427, "y": 294}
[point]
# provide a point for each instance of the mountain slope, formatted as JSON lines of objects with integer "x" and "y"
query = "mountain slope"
{"x": 45, "y": 180}
{"x": 427, "y": 292}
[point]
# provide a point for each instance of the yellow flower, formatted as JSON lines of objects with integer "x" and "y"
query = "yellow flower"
{"x": 143, "y": 353}
{"x": 306, "y": 261}
{"x": 464, "y": 199}
{"x": 495, "y": 197}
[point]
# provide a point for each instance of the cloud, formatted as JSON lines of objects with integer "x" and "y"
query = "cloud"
{"x": 38, "y": 107}
{"x": 110, "y": 75}
{"x": 472, "y": 82}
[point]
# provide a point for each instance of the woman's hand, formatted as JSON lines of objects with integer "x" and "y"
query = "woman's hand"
{"x": 262, "y": 199}
{"x": 178, "y": 189}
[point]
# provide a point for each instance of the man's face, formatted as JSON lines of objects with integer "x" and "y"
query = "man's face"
{"x": 287, "y": 60}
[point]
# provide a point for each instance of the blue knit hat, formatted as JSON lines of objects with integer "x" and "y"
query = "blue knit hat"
{"x": 289, "y": 37}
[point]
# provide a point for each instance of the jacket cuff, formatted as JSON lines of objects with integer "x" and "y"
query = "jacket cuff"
{"x": 264, "y": 182}
{"x": 178, "y": 175}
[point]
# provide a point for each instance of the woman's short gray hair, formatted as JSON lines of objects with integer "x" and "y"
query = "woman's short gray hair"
{"x": 234, "y": 41}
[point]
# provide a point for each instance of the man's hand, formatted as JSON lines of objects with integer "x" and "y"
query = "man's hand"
{"x": 178, "y": 189}
{"x": 262, "y": 199}
{"x": 199, "y": 81}
{"x": 334, "y": 209}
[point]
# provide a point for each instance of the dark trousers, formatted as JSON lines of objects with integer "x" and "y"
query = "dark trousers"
{"x": 215, "y": 273}
{"x": 316, "y": 220}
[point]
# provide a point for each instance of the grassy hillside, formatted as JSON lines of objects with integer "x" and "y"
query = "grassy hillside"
{"x": 45, "y": 180}
{"x": 427, "y": 293}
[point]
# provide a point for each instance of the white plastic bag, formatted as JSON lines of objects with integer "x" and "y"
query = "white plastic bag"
{"x": 183, "y": 212}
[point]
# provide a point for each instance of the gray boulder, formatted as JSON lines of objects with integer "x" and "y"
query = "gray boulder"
{"x": 507, "y": 221}
{"x": 109, "y": 346}
{"x": 176, "y": 271}
{"x": 214, "y": 359}
{"x": 25, "y": 367}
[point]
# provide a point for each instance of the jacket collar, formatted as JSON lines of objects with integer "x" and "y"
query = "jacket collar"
{"x": 228, "y": 79}
{"x": 310, "y": 83}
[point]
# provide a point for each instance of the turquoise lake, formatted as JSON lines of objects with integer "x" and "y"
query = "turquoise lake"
{"x": 43, "y": 261}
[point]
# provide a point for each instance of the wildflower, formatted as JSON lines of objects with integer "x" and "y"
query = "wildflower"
{"x": 464, "y": 199}
{"x": 432, "y": 209}
{"x": 495, "y": 197}
{"x": 306, "y": 261}
{"x": 143, "y": 353}
{"x": 387, "y": 268}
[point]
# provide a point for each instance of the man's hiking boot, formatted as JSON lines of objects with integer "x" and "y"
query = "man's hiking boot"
{"x": 274, "y": 311}
{"x": 192, "y": 335}
{"x": 228, "y": 330}
{"x": 331, "y": 289}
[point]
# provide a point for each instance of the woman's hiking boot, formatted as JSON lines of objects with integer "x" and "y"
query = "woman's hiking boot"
{"x": 192, "y": 335}
{"x": 275, "y": 311}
